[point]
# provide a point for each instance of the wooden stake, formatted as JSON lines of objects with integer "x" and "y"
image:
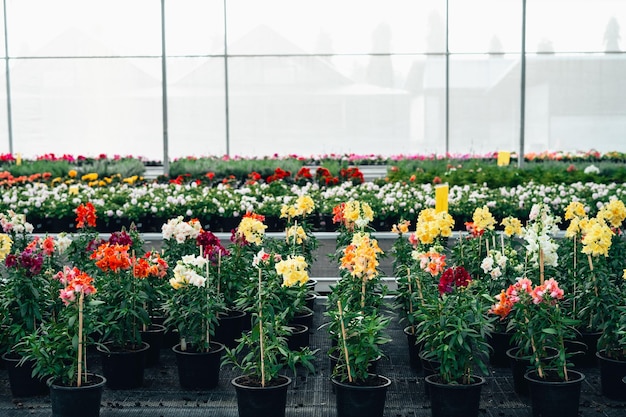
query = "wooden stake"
{"x": 262, "y": 345}
{"x": 80, "y": 339}
{"x": 345, "y": 344}
{"x": 541, "y": 268}
{"x": 408, "y": 278}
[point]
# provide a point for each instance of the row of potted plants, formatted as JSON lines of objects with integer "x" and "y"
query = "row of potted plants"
{"x": 62, "y": 294}
{"x": 52, "y": 208}
{"x": 453, "y": 297}
{"x": 328, "y": 170}
{"x": 548, "y": 293}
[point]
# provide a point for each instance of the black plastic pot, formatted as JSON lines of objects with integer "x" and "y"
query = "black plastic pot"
{"x": 361, "y": 400}
{"x": 256, "y": 401}
{"x": 454, "y": 400}
{"x": 520, "y": 365}
{"x": 611, "y": 374}
{"x": 83, "y": 401}
{"x": 199, "y": 370}
{"x": 21, "y": 381}
{"x": 154, "y": 336}
{"x": 123, "y": 369}
{"x": 229, "y": 328}
{"x": 552, "y": 398}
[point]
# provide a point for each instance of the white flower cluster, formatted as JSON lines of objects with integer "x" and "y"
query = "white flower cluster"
{"x": 180, "y": 230}
{"x": 538, "y": 234}
{"x": 186, "y": 272}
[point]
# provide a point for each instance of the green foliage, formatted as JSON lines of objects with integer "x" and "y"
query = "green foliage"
{"x": 57, "y": 168}
{"x": 124, "y": 167}
{"x": 454, "y": 330}
{"x": 263, "y": 352}
{"x": 193, "y": 307}
{"x": 54, "y": 346}
{"x": 359, "y": 338}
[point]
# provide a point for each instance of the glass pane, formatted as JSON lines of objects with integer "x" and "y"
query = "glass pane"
{"x": 4, "y": 129}
{"x": 575, "y": 103}
{"x": 493, "y": 26}
{"x": 194, "y": 27}
{"x": 196, "y": 107}
{"x": 484, "y": 103}
{"x": 335, "y": 27}
{"x": 307, "y": 105}
{"x": 574, "y": 25}
{"x": 84, "y": 28}
{"x": 87, "y": 107}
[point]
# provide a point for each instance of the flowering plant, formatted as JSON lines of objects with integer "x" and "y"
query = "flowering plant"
{"x": 454, "y": 327}
{"x": 180, "y": 238}
{"x": 86, "y": 239}
{"x": 603, "y": 244}
{"x": 26, "y": 287}
{"x": 263, "y": 351}
{"x": 235, "y": 263}
{"x": 195, "y": 302}
{"x": 422, "y": 259}
{"x": 356, "y": 322}
{"x": 351, "y": 216}
{"x": 59, "y": 346}
{"x": 123, "y": 312}
{"x": 538, "y": 322}
{"x": 16, "y": 226}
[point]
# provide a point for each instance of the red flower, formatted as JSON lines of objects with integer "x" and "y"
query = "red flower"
{"x": 455, "y": 276}
{"x": 85, "y": 214}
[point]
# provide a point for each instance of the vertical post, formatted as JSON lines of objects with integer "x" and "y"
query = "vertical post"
{"x": 166, "y": 158}
{"x": 8, "y": 78}
{"x": 226, "y": 93}
{"x": 522, "y": 121}
{"x": 447, "y": 82}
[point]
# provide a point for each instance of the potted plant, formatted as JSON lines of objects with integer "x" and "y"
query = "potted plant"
{"x": 357, "y": 323}
{"x": 418, "y": 261}
{"x": 263, "y": 351}
{"x": 122, "y": 315}
{"x": 58, "y": 349}
{"x": 583, "y": 254}
{"x": 299, "y": 245}
{"x": 26, "y": 301}
{"x": 603, "y": 245}
{"x": 454, "y": 330}
{"x": 235, "y": 273}
{"x": 193, "y": 309}
{"x": 540, "y": 325}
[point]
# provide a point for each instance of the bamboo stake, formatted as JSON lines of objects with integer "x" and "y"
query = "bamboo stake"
{"x": 408, "y": 278}
{"x": 541, "y": 268}
{"x": 262, "y": 345}
{"x": 593, "y": 275}
{"x": 345, "y": 344}
{"x": 80, "y": 338}
{"x": 219, "y": 270}
{"x": 206, "y": 290}
{"x": 363, "y": 292}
